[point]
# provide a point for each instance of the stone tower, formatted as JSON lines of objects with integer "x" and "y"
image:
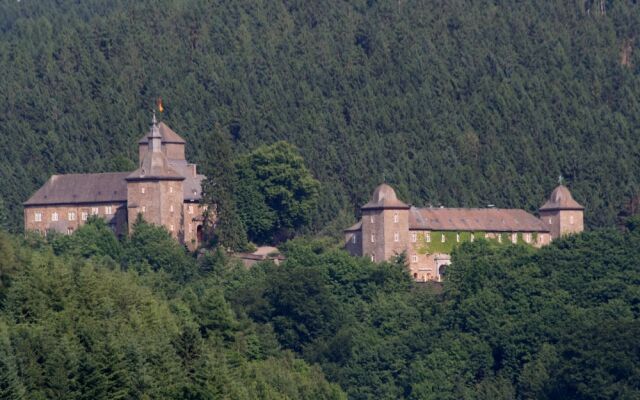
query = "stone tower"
{"x": 385, "y": 225}
{"x": 562, "y": 214}
{"x": 155, "y": 190}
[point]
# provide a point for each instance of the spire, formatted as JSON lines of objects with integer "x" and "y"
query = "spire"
{"x": 155, "y": 139}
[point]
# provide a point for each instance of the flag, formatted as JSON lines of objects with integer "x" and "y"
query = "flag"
{"x": 159, "y": 103}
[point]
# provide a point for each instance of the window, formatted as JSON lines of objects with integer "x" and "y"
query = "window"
{"x": 499, "y": 237}
{"x": 527, "y": 237}
{"x": 472, "y": 237}
{"x": 458, "y": 237}
{"x": 69, "y": 231}
{"x": 571, "y": 219}
{"x": 71, "y": 216}
{"x": 54, "y": 216}
{"x": 94, "y": 210}
{"x": 37, "y": 217}
{"x": 142, "y": 190}
{"x": 514, "y": 238}
{"x": 414, "y": 258}
{"x": 108, "y": 210}
{"x": 373, "y": 258}
{"x": 171, "y": 208}
{"x": 427, "y": 236}
{"x": 396, "y": 237}
{"x": 373, "y": 238}
{"x": 372, "y": 218}
{"x": 144, "y": 209}
{"x": 442, "y": 238}
{"x": 171, "y": 228}
{"x": 550, "y": 221}
{"x": 170, "y": 189}
{"x": 414, "y": 237}
{"x": 84, "y": 216}
{"x": 190, "y": 209}
{"x": 395, "y": 217}
{"x": 354, "y": 239}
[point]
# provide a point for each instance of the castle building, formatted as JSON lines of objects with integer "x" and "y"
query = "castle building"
{"x": 165, "y": 189}
{"x": 427, "y": 236}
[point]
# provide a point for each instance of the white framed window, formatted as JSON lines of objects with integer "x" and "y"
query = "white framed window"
{"x": 550, "y": 221}
{"x": 84, "y": 216}
{"x": 37, "y": 216}
{"x": 373, "y": 258}
{"x": 54, "y": 216}
{"x": 472, "y": 237}
{"x": 108, "y": 210}
{"x": 514, "y": 238}
{"x": 171, "y": 228}
{"x": 190, "y": 209}
{"x": 414, "y": 237}
{"x": 171, "y": 208}
{"x": 443, "y": 238}
{"x": 372, "y": 218}
{"x": 94, "y": 210}
{"x": 144, "y": 209}
{"x": 373, "y": 238}
{"x": 414, "y": 258}
{"x": 427, "y": 236}
{"x": 142, "y": 189}
{"x": 71, "y": 216}
{"x": 527, "y": 237}
{"x": 499, "y": 237}
{"x": 396, "y": 237}
{"x": 354, "y": 239}
{"x": 571, "y": 219}
{"x": 170, "y": 189}
{"x": 395, "y": 217}
{"x": 457, "y": 237}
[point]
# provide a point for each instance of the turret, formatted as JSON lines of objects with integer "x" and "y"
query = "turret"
{"x": 562, "y": 214}
{"x": 172, "y": 143}
{"x": 385, "y": 225}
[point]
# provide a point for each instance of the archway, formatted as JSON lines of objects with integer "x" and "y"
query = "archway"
{"x": 199, "y": 234}
{"x": 442, "y": 270}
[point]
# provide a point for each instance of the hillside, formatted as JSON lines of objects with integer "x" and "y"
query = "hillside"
{"x": 454, "y": 102}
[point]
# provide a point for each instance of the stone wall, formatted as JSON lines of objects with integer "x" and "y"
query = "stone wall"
{"x": 72, "y": 216}
{"x": 563, "y": 222}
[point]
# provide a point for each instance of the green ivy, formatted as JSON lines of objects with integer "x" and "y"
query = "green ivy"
{"x": 436, "y": 245}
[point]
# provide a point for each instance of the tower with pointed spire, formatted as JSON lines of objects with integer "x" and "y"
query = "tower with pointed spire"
{"x": 561, "y": 213}
{"x": 155, "y": 189}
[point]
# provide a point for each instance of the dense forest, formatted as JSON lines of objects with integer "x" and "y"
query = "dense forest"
{"x": 453, "y": 102}
{"x": 88, "y": 316}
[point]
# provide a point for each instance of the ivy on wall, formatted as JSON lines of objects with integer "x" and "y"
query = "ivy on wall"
{"x": 436, "y": 244}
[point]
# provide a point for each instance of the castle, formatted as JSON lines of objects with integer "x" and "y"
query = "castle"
{"x": 427, "y": 236}
{"x": 165, "y": 189}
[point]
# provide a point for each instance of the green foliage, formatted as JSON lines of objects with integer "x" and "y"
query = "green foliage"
{"x": 94, "y": 238}
{"x": 277, "y": 193}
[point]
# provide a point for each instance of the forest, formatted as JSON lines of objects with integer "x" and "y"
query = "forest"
{"x": 453, "y": 102}
{"x": 88, "y": 316}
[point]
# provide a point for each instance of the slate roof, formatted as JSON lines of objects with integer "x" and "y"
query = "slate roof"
{"x": 561, "y": 199}
{"x": 110, "y": 187}
{"x": 192, "y": 185}
{"x": 168, "y": 135}
{"x": 475, "y": 219}
{"x": 384, "y": 197}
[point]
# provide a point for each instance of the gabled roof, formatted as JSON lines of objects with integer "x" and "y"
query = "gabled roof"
{"x": 110, "y": 187}
{"x": 355, "y": 227}
{"x": 384, "y": 197}
{"x": 561, "y": 199}
{"x": 474, "y": 219}
{"x": 168, "y": 135}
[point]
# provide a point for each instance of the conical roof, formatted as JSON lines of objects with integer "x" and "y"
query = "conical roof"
{"x": 561, "y": 199}
{"x": 384, "y": 197}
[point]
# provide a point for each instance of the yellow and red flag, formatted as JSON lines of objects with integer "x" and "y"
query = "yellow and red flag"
{"x": 159, "y": 103}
